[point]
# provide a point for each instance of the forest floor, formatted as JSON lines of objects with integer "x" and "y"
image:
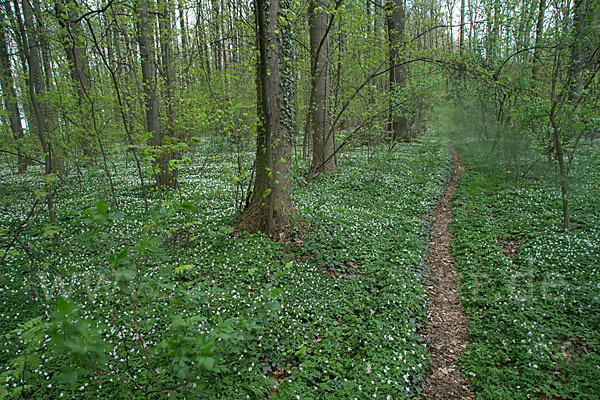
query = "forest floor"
{"x": 333, "y": 315}
{"x": 446, "y": 332}
{"x": 349, "y": 310}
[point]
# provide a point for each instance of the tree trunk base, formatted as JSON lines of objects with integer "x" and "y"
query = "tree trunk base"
{"x": 279, "y": 227}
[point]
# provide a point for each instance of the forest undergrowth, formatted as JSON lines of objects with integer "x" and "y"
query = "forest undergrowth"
{"x": 174, "y": 304}
{"x": 531, "y": 288}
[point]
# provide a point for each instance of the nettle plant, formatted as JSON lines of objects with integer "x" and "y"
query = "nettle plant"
{"x": 85, "y": 342}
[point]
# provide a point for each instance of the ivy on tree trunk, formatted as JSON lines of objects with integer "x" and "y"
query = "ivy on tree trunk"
{"x": 270, "y": 209}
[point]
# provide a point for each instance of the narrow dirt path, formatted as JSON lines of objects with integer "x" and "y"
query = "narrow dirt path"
{"x": 446, "y": 332}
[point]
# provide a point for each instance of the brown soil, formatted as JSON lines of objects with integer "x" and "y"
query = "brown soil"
{"x": 446, "y": 332}
{"x": 347, "y": 269}
{"x": 510, "y": 246}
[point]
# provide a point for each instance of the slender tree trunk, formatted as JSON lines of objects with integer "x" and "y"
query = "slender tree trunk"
{"x": 488, "y": 33}
{"x": 307, "y": 129}
{"x": 202, "y": 40}
{"x": 461, "y": 43}
{"x": 271, "y": 209}
{"x": 37, "y": 91}
{"x": 216, "y": 42}
{"x": 564, "y": 188}
{"x": 122, "y": 107}
{"x": 170, "y": 133}
{"x": 523, "y": 34}
{"x": 395, "y": 20}
{"x": 495, "y": 29}
{"x": 72, "y": 40}
{"x": 9, "y": 95}
{"x": 539, "y": 33}
{"x": 583, "y": 46}
{"x": 146, "y": 43}
{"x": 42, "y": 37}
{"x": 450, "y": 5}
{"x": 470, "y": 25}
{"x": 557, "y": 101}
{"x": 183, "y": 32}
{"x": 320, "y": 99}
{"x": 585, "y": 38}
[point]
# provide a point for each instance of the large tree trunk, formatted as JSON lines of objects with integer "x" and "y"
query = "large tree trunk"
{"x": 148, "y": 63}
{"x": 270, "y": 209}
{"x": 146, "y": 23}
{"x": 395, "y": 20}
{"x": 166, "y": 31}
{"x": 36, "y": 86}
{"x": 320, "y": 98}
{"x": 9, "y": 95}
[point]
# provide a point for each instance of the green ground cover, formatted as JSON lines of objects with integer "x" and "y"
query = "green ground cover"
{"x": 531, "y": 288}
{"x": 171, "y": 303}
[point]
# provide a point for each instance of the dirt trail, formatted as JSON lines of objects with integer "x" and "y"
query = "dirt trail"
{"x": 446, "y": 332}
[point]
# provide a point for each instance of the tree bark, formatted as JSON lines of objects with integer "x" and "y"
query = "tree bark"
{"x": 183, "y": 31}
{"x": 461, "y": 43}
{"x": 270, "y": 209}
{"x": 539, "y": 33}
{"x": 216, "y": 42}
{"x": 395, "y": 20}
{"x": 146, "y": 42}
{"x": 170, "y": 133}
{"x": 72, "y": 40}
{"x": 564, "y": 183}
{"x": 202, "y": 40}
{"x": 37, "y": 91}
{"x": 9, "y": 95}
{"x": 320, "y": 98}
{"x": 470, "y": 25}
{"x": 586, "y": 31}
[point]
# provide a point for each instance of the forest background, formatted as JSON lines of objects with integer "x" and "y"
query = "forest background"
{"x": 152, "y": 148}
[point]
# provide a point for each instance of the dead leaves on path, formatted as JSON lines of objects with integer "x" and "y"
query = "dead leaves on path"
{"x": 446, "y": 332}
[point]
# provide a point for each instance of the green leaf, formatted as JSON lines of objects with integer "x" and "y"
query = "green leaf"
{"x": 208, "y": 363}
{"x": 188, "y": 206}
{"x": 69, "y": 376}
{"x": 51, "y": 230}
{"x": 64, "y": 305}
{"x": 116, "y": 216}
{"x": 182, "y": 268}
{"x": 50, "y": 179}
{"x": 40, "y": 194}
